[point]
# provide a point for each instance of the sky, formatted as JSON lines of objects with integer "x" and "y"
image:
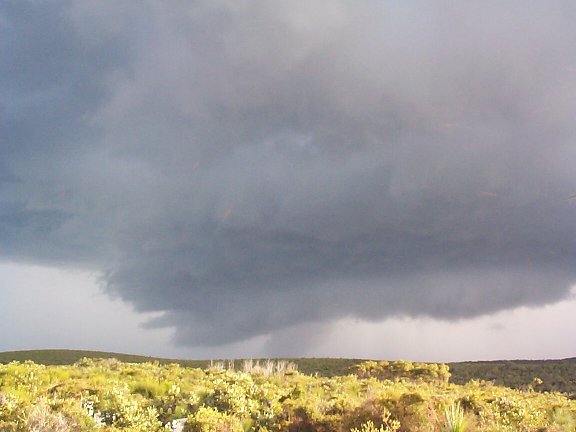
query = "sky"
{"x": 219, "y": 178}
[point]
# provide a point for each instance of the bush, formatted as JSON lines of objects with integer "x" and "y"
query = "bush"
{"x": 208, "y": 419}
{"x": 404, "y": 371}
{"x": 393, "y": 426}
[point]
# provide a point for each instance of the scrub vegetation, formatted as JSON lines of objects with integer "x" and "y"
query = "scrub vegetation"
{"x": 109, "y": 395}
{"x": 539, "y": 375}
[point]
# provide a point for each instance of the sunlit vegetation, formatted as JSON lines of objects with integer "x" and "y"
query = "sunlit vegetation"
{"x": 539, "y": 375}
{"x": 109, "y": 395}
{"x": 68, "y": 357}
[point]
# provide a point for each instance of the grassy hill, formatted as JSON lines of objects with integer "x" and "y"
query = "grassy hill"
{"x": 542, "y": 375}
{"x": 68, "y": 357}
{"x": 324, "y": 367}
{"x": 550, "y": 375}
{"x": 107, "y": 395}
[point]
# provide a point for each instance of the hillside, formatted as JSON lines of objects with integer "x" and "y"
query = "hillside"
{"x": 555, "y": 375}
{"x": 68, "y": 357}
{"x": 542, "y": 375}
{"x": 327, "y": 367}
{"x": 106, "y": 395}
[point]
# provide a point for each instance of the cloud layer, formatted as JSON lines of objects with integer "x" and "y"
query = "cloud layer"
{"x": 249, "y": 166}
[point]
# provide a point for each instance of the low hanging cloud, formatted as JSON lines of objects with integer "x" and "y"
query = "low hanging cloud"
{"x": 246, "y": 167}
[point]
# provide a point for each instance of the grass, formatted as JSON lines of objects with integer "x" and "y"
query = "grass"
{"x": 454, "y": 418}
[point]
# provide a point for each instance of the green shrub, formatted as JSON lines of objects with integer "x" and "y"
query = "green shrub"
{"x": 119, "y": 409}
{"x": 404, "y": 371}
{"x": 393, "y": 426}
{"x": 208, "y": 419}
{"x": 564, "y": 419}
{"x": 453, "y": 418}
{"x": 149, "y": 389}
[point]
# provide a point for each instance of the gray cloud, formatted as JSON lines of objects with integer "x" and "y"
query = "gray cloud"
{"x": 250, "y": 166}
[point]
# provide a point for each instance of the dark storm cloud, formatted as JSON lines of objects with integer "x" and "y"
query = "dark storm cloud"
{"x": 249, "y": 166}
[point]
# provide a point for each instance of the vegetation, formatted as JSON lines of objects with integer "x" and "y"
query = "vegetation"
{"x": 110, "y": 396}
{"x": 540, "y": 375}
{"x": 454, "y": 418}
{"x": 69, "y": 357}
{"x": 403, "y": 370}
